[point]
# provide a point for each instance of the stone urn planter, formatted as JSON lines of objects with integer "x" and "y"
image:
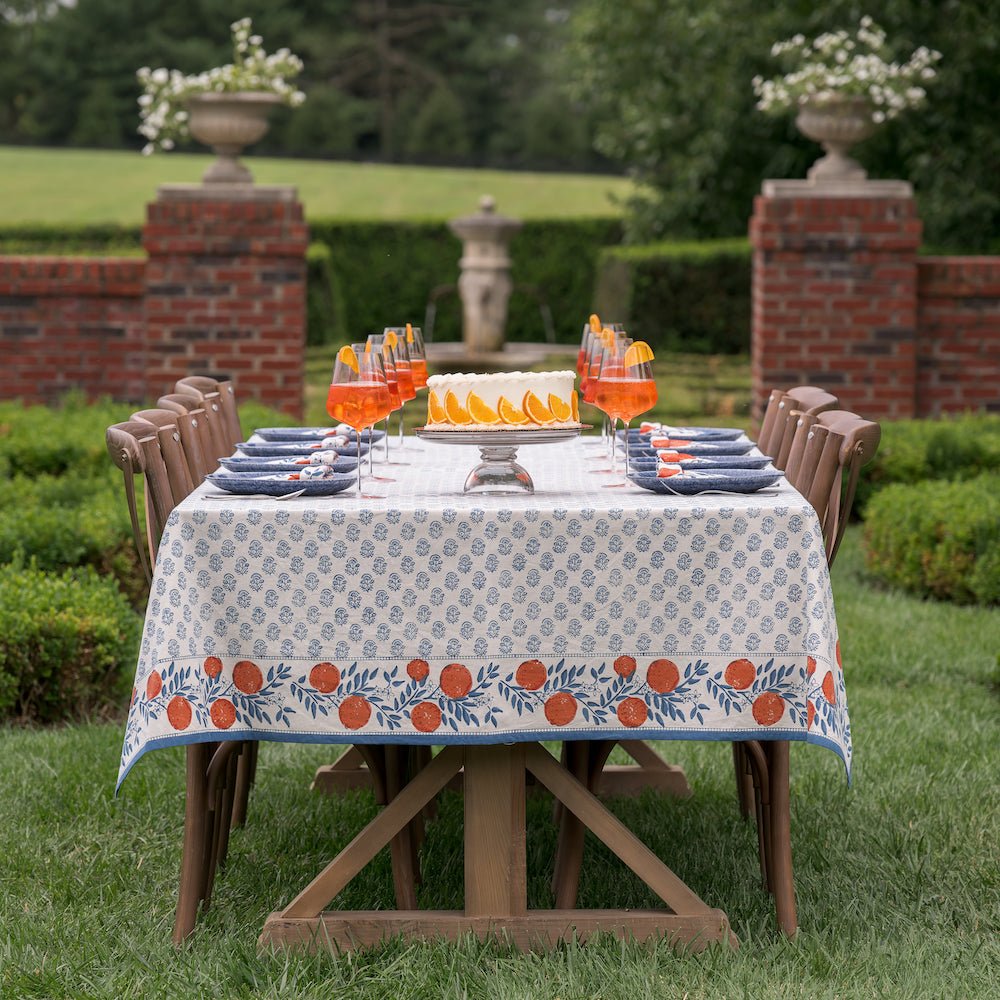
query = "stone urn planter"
{"x": 837, "y": 125}
{"x": 228, "y": 122}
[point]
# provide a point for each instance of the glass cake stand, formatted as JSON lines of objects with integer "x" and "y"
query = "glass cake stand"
{"x": 498, "y": 474}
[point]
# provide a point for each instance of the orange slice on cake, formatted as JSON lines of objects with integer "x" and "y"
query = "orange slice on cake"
{"x": 560, "y": 410}
{"x": 435, "y": 410}
{"x": 638, "y": 353}
{"x": 480, "y": 412}
{"x": 346, "y": 356}
{"x": 509, "y": 413}
{"x": 457, "y": 414}
{"x": 536, "y": 409}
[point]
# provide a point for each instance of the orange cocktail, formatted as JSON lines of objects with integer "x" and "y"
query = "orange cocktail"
{"x": 623, "y": 398}
{"x": 404, "y": 376}
{"x": 418, "y": 369}
{"x": 359, "y": 404}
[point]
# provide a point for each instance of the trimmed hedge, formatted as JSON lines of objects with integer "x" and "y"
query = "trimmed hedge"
{"x": 938, "y": 539}
{"x": 66, "y": 644}
{"x": 686, "y": 297}
{"x": 361, "y": 273}
{"x": 912, "y": 451}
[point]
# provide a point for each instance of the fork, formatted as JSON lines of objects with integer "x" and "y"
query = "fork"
{"x": 252, "y": 496}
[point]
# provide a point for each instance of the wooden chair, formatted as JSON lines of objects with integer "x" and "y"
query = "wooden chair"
{"x": 777, "y": 430}
{"x": 218, "y": 400}
{"x": 196, "y": 436}
{"x": 828, "y": 453}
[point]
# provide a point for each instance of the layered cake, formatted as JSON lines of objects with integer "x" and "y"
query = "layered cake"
{"x": 502, "y": 401}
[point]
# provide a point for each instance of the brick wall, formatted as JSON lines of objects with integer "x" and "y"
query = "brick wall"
{"x": 958, "y": 334}
{"x": 71, "y": 323}
{"x": 841, "y": 300}
{"x": 221, "y": 292}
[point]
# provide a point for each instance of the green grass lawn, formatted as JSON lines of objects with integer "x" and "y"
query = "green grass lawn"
{"x": 898, "y": 879}
{"x": 74, "y": 186}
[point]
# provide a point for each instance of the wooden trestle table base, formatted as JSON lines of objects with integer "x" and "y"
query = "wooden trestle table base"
{"x": 495, "y": 867}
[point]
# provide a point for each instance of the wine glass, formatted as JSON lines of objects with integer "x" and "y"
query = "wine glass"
{"x": 359, "y": 394}
{"x": 396, "y": 337}
{"x": 377, "y": 342}
{"x": 625, "y": 389}
{"x": 418, "y": 356}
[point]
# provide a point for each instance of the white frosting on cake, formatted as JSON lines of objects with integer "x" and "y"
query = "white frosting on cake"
{"x": 513, "y": 386}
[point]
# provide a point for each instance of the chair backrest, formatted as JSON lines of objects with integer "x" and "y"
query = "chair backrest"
{"x": 778, "y": 428}
{"x": 199, "y": 443}
{"x": 828, "y": 454}
{"x": 167, "y": 424}
{"x": 134, "y": 446}
{"x": 216, "y": 398}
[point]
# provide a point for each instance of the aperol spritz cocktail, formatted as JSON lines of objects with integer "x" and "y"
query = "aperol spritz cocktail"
{"x": 359, "y": 393}
{"x": 625, "y": 388}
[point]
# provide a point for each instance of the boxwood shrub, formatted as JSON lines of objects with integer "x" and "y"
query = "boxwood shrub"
{"x": 68, "y": 644}
{"x": 912, "y": 451}
{"x": 690, "y": 297}
{"x": 938, "y": 539}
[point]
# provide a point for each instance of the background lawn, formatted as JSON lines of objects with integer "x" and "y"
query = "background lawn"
{"x": 67, "y": 187}
{"x": 897, "y": 877}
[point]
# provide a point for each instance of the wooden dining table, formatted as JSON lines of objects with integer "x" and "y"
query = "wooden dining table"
{"x": 487, "y": 627}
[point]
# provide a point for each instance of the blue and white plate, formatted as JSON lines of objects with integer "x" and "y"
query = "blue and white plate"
{"x": 310, "y": 434}
{"x": 687, "y": 433}
{"x": 698, "y": 449}
{"x": 278, "y": 449}
{"x": 279, "y": 485}
{"x": 692, "y": 483}
{"x": 644, "y": 462}
{"x": 245, "y": 463}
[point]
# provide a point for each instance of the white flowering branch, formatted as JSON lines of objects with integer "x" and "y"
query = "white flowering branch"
{"x": 162, "y": 114}
{"x": 835, "y": 65}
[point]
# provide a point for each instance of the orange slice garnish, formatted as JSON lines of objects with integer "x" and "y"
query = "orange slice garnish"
{"x": 480, "y": 412}
{"x": 456, "y": 413}
{"x": 435, "y": 410}
{"x": 409, "y": 333}
{"x": 346, "y": 356}
{"x": 638, "y": 353}
{"x": 509, "y": 413}
{"x": 536, "y": 409}
{"x": 559, "y": 409}
{"x": 574, "y": 403}
{"x": 391, "y": 340}
{"x": 595, "y": 323}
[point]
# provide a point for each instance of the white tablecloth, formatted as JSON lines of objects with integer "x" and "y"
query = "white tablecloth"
{"x": 429, "y": 616}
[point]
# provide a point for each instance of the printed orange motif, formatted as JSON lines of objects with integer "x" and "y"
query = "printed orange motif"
{"x": 154, "y": 684}
{"x": 418, "y": 669}
{"x": 839, "y": 664}
{"x": 632, "y": 712}
{"x": 560, "y": 709}
{"x": 324, "y": 677}
{"x": 223, "y": 713}
{"x": 426, "y": 717}
{"x": 768, "y": 708}
{"x": 354, "y": 712}
{"x": 663, "y": 676}
{"x": 810, "y": 666}
{"x": 810, "y": 714}
{"x": 740, "y": 674}
{"x": 829, "y": 691}
{"x": 213, "y": 666}
{"x": 531, "y": 674}
{"x": 625, "y": 666}
{"x": 247, "y": 677}
{"x": 179, "y": 712}
{"x": 456, "y": 681}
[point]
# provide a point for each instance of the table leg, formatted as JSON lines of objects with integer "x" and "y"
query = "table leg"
{"x": 194, "y": 852}
{"x": 649, "y": 771}
{"x": 345, "y": 774}
{"x": 782, "y": 882}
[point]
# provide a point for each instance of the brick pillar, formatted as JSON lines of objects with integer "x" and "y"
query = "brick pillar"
{"x": 226, "y": 290}
{"x": 835, "y": 293}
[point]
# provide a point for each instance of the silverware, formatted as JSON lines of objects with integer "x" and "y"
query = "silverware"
{"x": 252, "y": 496}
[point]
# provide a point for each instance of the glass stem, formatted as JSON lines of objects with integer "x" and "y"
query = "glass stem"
{"x": 614, "y": 453}
{"x": 371, "y": 456}
{"x": 627, "y": 422}
{"x": 386, "y": 440}
{"x": 358, "y": 441}
{"x": 400, "y": 427}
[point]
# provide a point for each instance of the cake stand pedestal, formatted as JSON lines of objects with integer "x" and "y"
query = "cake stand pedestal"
{"x": 499, "y": 474}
